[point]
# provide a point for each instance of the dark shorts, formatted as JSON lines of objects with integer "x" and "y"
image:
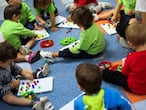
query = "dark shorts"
{"x": 82, "y": 55}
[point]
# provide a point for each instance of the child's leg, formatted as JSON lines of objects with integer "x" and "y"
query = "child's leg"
{"x": 31, "y": 43}
{"x": 106, "y": 14}
{"x": 116, "y": 77}
{"x": 11, "y": 99}
{"x": 31, "y": 58}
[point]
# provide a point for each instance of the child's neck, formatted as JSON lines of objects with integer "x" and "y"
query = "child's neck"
{"x": 141, "y": 48}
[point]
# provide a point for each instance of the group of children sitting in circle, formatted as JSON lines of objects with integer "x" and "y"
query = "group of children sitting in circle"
{"x": 19, "y": 38}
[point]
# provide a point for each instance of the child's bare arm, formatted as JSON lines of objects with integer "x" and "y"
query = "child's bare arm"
{"x": 15, "y": 84}
{"x": 116, "y": 12}
{"x": 53, "y": 22}
{"x": 40, "y": 19}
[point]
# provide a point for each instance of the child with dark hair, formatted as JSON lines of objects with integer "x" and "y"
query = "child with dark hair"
{"x": 43, "y": 9}
{"x": 92, "y": 42}
{"x": 132, "y": 78}
{"x": 13, "y": 30}
{"x": 10, "y": 74}
{"x": 27, "y": 18}
{"x": 89, "y": 78}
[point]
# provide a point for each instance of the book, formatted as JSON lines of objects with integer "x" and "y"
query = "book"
{"x": 37, "y": 85}
{"x": 109, "y": 28}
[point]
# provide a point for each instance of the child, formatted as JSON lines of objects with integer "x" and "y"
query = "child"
{"x": 42, "y": 6}
{"x": 10, "y": 74}
{"x": 92, "y": 41}
{"x": 13, "y": 30}
{"x": 132, "y": 77}
{"x": 26, "y": 18}
{"x": 89, "y": 78}
{"x": 94, "y": 6}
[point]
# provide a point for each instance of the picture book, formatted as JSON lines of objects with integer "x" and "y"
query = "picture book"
{"x": 42, "y": 34}
{"x": 70, "y": 45}
{"x": 58, "y": 19}
{"x": 109, "y": 28}
{"x": 37, "y": 85}
{"x": 67, "y": 24}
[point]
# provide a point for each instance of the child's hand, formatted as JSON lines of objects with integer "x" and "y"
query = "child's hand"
{"x": 43, "y": 23}
{"x": 114, "y": 18}
{"x": 54, "y": 28}
{"x": 15, "y": 84}
{"x": 36, "y": 27}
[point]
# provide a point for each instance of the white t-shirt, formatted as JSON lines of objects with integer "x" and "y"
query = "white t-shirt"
{"x": 140, "y": 5}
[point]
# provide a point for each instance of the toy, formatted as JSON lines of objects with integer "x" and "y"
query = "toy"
{"x": 41, "y": 34}
{"x": 105, "y": 65}
{"x": 117, "y": 68}
{"x": 68, "y": 40}
{"x": 30, "y": 95}
{"x": 46, "y": 43}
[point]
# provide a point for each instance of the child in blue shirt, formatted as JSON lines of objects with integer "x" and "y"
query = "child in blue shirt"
{"x": 89, "y": 78}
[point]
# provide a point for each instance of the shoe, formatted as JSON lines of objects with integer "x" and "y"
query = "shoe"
{"x": 49, "y": 106}
{"x": 40, "y": 104}
{"x": 105, "y": 5}
{"x": 42, "y": 72}
{"x": 34, "y": 57}
{"x": 68, "y": 7}
{"x": 47, "y": 56}
{"x": 123, "y": 42}
{"x": 96, "y": 18}
{"x": 24, "y": 50}
{"x": 97, "y": 9}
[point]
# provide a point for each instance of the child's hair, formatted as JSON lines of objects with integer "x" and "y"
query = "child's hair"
{"x": 136, "y": 33}
{"x": 7, "y": 51}
{"x": 10, "y": 10}
{"x": 89, "y": 77}
{"x": 41, "y": 3}
{"x": 82, "y": 16}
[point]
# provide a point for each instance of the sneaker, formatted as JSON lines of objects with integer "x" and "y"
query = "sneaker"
{"x": 47, "y": 56}
{"x": 42, "y": 72}
{"x": 24, "y": 50}
{"x": 123, "y": 42}
{"x": 34, "y": 57}
{"x": 96, "y": 17}
{"x": 40, "y": 104}
{"x": 49, "y": 106}
{"x": 105, "y": 5}
{"x": 97, "y": 9}
{"x": 69, "y": 6}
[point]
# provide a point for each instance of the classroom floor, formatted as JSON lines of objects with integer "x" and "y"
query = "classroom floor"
{"x": 63, "y": 70}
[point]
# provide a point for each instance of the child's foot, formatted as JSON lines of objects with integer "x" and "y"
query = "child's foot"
{"x": 40, "y": 103}
{"x": 105, "y": 5}
{"x": 34, "y": 57}
{"x": 42, "y": 72}
{"x": 24, "y": 50}
{"x": 47, "y": 55}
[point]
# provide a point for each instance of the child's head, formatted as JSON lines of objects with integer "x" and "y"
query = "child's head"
{"x": 10, "y": 2}
{"x": 136, "y": 34}
{"x": 82, "y": 16}
{"x": 7, "y": 53}
{"x": 12, "y": 12}
{"x": 89, "y": 77}
{"x": 41, "y": 4}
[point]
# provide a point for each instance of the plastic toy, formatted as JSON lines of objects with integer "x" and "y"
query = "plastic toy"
{"x": 30, "y": 95}
{"x": 68, "y": 40}
{"x": 105, "y": 65}
{"x": 46, "y": 43}
{"x": 117, "y": 68}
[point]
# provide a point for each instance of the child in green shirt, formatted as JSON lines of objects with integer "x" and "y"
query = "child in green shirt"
{"x": 91, "y": 43}
{"x": 13, "y": 30}
{"x": 45, "y": 6}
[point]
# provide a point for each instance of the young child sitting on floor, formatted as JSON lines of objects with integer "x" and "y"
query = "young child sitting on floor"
{"x": 91, "y": 43}
{"x": 132, "y": 78}
{"x": 94, "y": 6}
{"x": 27, "y": 18}
{"x": 89, "y": 78}
{"x": 10, "y": 74}
{"x": 47, "y": 7}
{"x": 13, "y": 30}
